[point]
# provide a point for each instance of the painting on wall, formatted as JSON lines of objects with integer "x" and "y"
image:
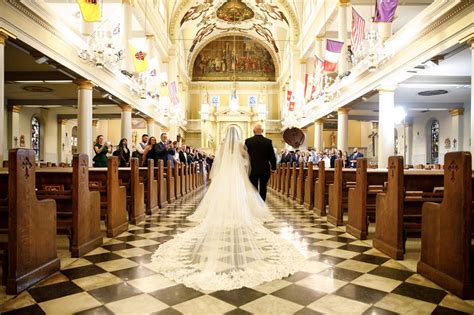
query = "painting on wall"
{"x": 215, "y": 100}
{"x": 252, "y": 101}
{"x": 226, "y": 59}
{"x": 138, "y": 123}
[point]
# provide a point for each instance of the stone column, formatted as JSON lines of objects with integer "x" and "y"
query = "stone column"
{"x": 386, "y": 125}
{"x": 150, "y": 129}
{"x": 342, "y": 128}
{"x": 318, "y": 135}
{"x": 84, "y": 118}
{"x": 409, "y": 141}
{"x": 64, "y": 143}
{"x": 319, "y": 48}
{"x": 385, "y": 30}
{"x": 3, "y": 125}
{"x": 342, "y": 9}
{"x": 457, "y": 116}
{"x": 15, "y": 127}
{"x": 126, "y": 123}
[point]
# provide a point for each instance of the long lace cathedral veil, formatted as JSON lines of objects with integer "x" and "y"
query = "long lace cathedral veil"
{"x": 230, "y": 248}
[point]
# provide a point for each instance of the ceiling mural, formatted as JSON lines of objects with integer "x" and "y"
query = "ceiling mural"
{"x": 259, "y": 18}
{"x": 232, "y": 58}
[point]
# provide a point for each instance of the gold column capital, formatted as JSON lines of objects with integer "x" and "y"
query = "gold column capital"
{"x": 319, "y": 121}
{"x": 62, "y": 121}
{"x": 320, "y": 38}
{"x": 343, "y": 110}
{"x": 387, "y": 88}
{"x": 343, "y": 3}
{"x": 149, "y": 120}
{"x": 95, "y": 122}
{"x": 129, "y": 2}
{"x": 4, "y": 35}
{"x": 84, "y": 84}
{"x": 14, "y": 109}
{"x": 125, "y": 107}
{"x": 456, "y": 112}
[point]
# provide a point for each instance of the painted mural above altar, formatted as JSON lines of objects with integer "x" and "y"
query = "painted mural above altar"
{"x": 232, "y": 58}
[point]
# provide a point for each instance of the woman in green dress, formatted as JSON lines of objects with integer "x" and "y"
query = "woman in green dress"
{"x": 101, "y": 149}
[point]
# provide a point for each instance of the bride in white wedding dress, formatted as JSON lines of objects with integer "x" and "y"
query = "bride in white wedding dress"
{"x": 229, "y": 248}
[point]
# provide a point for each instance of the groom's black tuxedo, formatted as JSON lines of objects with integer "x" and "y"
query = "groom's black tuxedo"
{"x": 262, "y": 161}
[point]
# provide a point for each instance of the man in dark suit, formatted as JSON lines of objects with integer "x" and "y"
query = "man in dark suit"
{"x": 353, "y": 158}
{"x": 262, "y": 159}
{"x": 164, "y": 150}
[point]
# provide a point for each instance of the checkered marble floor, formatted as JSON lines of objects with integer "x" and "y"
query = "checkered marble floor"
{"x": 343, "y": 276}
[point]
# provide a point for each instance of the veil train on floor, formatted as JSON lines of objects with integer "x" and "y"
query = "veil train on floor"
{"x": 229, "y": 248}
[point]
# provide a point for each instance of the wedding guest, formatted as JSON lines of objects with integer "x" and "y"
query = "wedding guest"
{"x": 101, "y": 148}
{"x": 140, "y": 148}
{"x": 123, "y": 153}
{"x": 164, "y": 150}
{"x": 353, "y": 158}
{"x": 148, "y": 152}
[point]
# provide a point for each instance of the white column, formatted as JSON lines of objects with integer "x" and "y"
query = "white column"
{"x": 296, "y": 75}
{"x": 15, "y": 125}
{"x": 64, "y": 143}
{"x": 319, "y": 47}
{"x": 150, "y": 128}
{"x": 342, "y": 9}
{"x": 385, "y": 30}
{"x": 409, "y": 141}
{"x": 84, "y": 118}
{"x": 342, "y": 128}
{"x": 3, "y": 125}
{"x": 457, "y": 116}
{"x": 126, "y": 122}
{"x": 318, "y": 135}
{"x": 127, "y": 15}
{"x": 204, "y": 132}
{"x": 386, "y": 125}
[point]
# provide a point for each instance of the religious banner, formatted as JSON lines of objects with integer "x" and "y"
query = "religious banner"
{"x": 317, "y": 78}
{"x": 91, "y": 10}
{"x": 290, "y": 100}
{"x": 139, "y": 57}
{"x": 331, "y": 57}
{"x": 385, "y": 10}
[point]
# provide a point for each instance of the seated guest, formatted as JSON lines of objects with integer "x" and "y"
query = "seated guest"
{"x": 123, "y": 153}
{"x": 183, "y": 157}
{"x": 353, "y": 158}
{"x": 148, "y": 152}
{"x": 101, "y": 148}
{"x": 333, "y": 157}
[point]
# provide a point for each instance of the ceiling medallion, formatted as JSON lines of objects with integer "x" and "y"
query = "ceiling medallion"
{"x": 37, "y": 89}
{"x": 234, "y": 11}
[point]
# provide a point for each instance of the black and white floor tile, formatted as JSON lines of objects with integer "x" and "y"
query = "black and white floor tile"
{"x": 343, "y": 276}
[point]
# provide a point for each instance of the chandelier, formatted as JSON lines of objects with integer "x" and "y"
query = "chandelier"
{"x": 103, "y": 47}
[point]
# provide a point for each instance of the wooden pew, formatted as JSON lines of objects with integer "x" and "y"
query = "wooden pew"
{"x": 30, "y": 252}
{"x": 113, "y": 196}
{"x": 309, "y": 187}
{"x": 200, "y": 174}
{"x": 325, "y": 177}
{"x": 293, "y": 181}
{"x": 300, "y": 180}
{"x": 130, "y": 178}
{"x": 281, "y": 179}
{"x": 151, "y": 187}
{"x": 447, "y": 248}
{"x": 78, "y": 208}
{"x": 170, "y": 192}
{"x": 188, "y": 178}
{"x": 162, "y": 183}
{"x": 183, "y": 182}
{"x": 286, "y": 185}
{"x": 177, "y": 180}
{"x": 398, "y": 211}
{"x": 361, "y": 199}
{"x": 343, "y": 179}
{"x": 194, "y": 176}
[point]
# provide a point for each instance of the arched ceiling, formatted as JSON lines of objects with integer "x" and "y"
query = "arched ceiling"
{"x": 196, "y": 22}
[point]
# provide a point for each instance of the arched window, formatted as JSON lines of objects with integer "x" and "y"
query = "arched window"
{"x": 434, "y": 136}
{"x": 35, "y": 136}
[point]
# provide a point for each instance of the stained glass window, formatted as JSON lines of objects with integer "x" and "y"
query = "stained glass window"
{"x": 35, "y": 136}
{"x": 435, "y": 142}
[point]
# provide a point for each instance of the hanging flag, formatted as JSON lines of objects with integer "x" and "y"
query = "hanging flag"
{"x": 163, "y": 89}
{"x": 317, "y": 77}
{"x": 306, "y": 76}
{"x": 289, "y": 98}
{"x": 358, "y": 30}
{"x": 173, "y": 93}
{"x": 385, "y": 10}
{"x": 90, "y": 9}
{"x": 140, "y": 60}
{"x": 331, "y": 57}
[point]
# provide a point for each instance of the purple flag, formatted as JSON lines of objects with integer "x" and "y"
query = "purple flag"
{"x": 385, "y": 10}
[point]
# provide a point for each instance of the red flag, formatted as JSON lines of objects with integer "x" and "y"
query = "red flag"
{"x": 358, "y": 29}
{"x": 305, "y": 84}
{"x": 331, "y": 57}
{"x": 290, "y": 101}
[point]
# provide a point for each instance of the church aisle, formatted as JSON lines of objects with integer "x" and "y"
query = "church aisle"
{"x": 343, "y": 275}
